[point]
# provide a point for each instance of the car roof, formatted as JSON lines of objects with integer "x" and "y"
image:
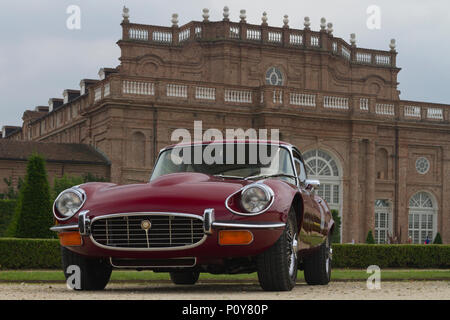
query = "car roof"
{"x": 257, "y": 141}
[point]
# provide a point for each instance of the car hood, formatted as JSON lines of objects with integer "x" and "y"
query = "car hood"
{"x": 177, "y": 192}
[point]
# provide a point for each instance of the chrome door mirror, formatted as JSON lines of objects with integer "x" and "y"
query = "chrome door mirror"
{"x": 312, "y": 184}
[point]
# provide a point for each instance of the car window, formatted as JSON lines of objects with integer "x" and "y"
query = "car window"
{"x": 300, "y": 167}
{"x": 243, "y": 162}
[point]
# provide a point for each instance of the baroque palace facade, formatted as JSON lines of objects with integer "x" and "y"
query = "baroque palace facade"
{"x": 383, "y": 162}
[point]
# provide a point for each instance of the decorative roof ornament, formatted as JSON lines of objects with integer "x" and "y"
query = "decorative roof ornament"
{"x": 353, "y": 39}
{"x": 125, "y": 14}
{"x": 226, "y": 13}
{"x": 264, "y": 18}
{"x": 175, "y": 20}
{"x": 323, "y": 24}
{"x": 286, "y": 21}
{"x": 392, "y": 45}
{"x": 243, "y": 15}
{"x": 205, "y": 15}
{"x": 307, "y": 23}
{"x": 330, "y": 28}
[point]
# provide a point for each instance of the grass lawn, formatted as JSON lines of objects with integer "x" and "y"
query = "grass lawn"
{"x": 120, "y": 275}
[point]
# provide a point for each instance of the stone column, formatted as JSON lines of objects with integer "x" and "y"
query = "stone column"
{"x": 369, "y": 213}
{"x": 444, "y": 209}
{"x": 401, "y": 220}
{"x": 353, "y": 215}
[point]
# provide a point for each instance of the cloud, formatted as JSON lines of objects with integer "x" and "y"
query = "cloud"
{"x": 39, "y": 57}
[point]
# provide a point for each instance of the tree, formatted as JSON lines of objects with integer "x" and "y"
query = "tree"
{"x": 370, "y": 239}
{"x": 437, "y": 239}
{"x": 63, "y": 183}
{"x": 32, "y": 217}
{"x": 336, "y": 237}
{"x": 11, "y": 193}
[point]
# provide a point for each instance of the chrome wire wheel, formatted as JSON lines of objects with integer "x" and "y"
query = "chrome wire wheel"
{"x": 329, "y": 255}
{"x": 292, "y": 244}
{"x": 277, "y": 266}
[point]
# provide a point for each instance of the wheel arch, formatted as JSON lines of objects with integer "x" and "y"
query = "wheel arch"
{"x": 297, "y": 203}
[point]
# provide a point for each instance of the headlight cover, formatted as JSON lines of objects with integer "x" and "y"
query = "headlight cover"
{"x": 254, "y": 199}
{"x": 68, "y": 203}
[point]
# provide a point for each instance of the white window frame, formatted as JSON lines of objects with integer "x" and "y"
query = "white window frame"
{"x": 420, "y": 212}
{"x": 383, "y": 206}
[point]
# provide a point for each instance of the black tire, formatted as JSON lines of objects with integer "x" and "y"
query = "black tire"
{"x": 184, "y": 277}
{"x": 318, "y": 265}
{"x": 94, "y": 273}
{"x": 277, "y": 267}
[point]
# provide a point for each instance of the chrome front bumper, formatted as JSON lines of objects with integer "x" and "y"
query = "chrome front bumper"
{"x": 209, "y": 223}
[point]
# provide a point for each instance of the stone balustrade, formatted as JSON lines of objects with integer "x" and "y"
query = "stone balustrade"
{"x": 284, "y": 37}
{"x": 285, "y": 99}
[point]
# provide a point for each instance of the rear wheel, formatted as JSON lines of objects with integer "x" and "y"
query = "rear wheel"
{"x": 277, "y": 266}
{"x": 94, "y": 274}
{"x": 184, "y": 277}
{"x": 318, "y": 265}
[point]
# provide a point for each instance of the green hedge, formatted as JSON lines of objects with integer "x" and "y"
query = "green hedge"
{"x": 7, "y": 208}
{"x": 391, "y": 256}
{"x": 29, "y": 253}
{"x": 45, "y": 254}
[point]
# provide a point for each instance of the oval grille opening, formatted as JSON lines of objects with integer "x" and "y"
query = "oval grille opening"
{"x": 129, "y": 231}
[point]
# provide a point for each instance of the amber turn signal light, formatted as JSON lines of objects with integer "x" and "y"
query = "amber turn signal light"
{"x": 235, "y": 237}
{"x": 70, "y": 238}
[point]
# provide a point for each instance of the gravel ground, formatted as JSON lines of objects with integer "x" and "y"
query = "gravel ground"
{"x": 403, "y": 290}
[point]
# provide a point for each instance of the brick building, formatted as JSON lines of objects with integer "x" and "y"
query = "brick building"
{"x": 383, "y": 162}
{"x": 73, "y": 159}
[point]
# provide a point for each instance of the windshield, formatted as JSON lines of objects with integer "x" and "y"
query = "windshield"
{"x": 227, "y": 160}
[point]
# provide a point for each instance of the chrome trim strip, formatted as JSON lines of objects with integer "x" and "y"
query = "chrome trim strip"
{"x": 64, "y": 227}
{"x": 134, "y": 267}
{"x": 75, "y": 189}
{"x": 115, "y": 215}
{"x": 208, "y": 219}
{"x": 84, "y": 223}
{"x": 258, "y": 184}
{"x": 230, "y": 224}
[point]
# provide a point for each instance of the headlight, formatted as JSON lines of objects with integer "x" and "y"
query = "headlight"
{"x": 69, "y": 202}
{"x": 256, "y": 198}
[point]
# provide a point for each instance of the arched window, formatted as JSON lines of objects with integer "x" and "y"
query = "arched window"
{"x": 320, "y": 165}
{"x": 383, "y": 221}
{"x": 274, "y": 77}
{"x": 422, "y": 218}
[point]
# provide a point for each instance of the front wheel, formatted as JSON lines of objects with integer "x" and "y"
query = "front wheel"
{"x": 318, "y": 265}
{"x": 92, "y": 273}
{"x": 277, "y": 266}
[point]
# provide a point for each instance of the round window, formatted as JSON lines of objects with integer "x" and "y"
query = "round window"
{"x": 274, "y": 77}
{"x": 422, "y": 165}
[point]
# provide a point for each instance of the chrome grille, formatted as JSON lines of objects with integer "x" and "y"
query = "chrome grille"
{"x": 166, "y": 231}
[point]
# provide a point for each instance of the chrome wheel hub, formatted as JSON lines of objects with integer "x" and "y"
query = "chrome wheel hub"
{"x": 329, "y": 255}
{"x": 293, "y": 255}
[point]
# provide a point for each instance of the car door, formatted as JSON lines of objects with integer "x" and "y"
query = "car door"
{"x": 311, "y": 214}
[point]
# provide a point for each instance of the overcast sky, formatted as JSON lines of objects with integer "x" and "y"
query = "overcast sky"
{"x": 40, "y": 56}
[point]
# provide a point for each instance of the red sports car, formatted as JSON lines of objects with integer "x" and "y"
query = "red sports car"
{"x": 216, "y": 207}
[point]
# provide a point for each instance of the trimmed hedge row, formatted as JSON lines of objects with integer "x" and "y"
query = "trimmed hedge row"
{"x": 45, "y": 254}
{"x": 29, "y": 253}
{"x": 7, "y": 208}
{"x": 391, "y": 256}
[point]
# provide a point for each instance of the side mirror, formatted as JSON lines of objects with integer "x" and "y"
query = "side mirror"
{"x": 312, "y": 184}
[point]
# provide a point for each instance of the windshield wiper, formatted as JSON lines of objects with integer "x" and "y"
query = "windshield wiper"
{"x": 265, "y": 176}
{"x": 227, "y": 177}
